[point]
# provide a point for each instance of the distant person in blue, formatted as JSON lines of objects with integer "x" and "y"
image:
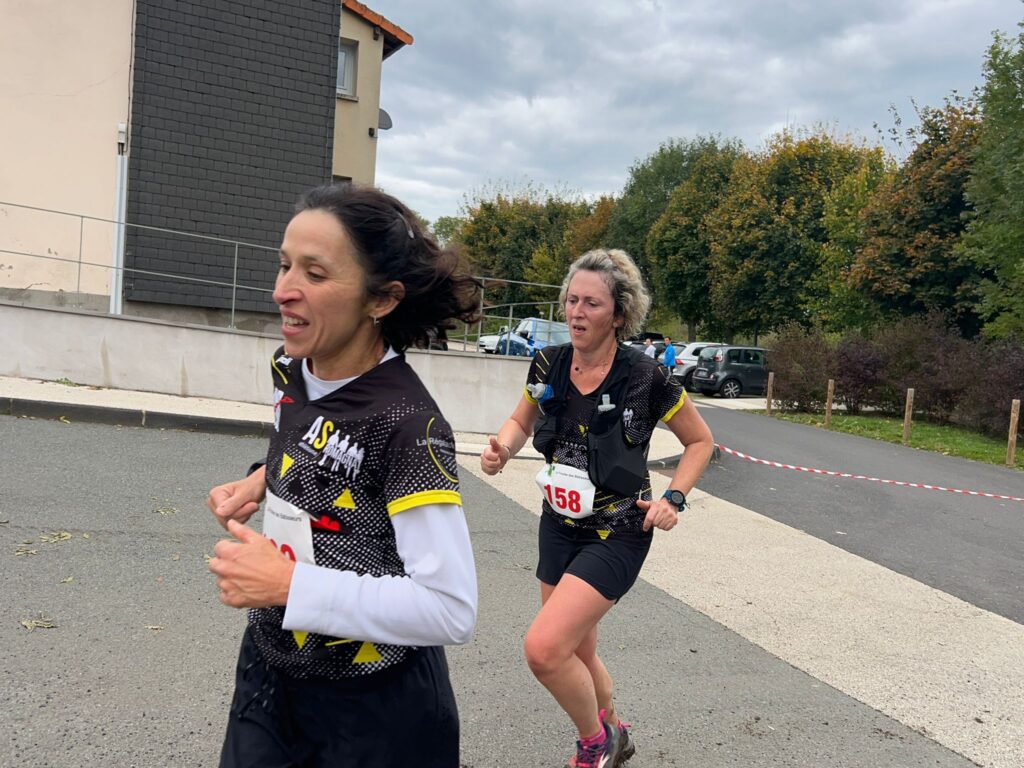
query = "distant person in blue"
{"x": 670, "y": 356}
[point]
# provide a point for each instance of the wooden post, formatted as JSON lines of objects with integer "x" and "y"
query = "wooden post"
{"x": 828, "y": 403}
{"x": 768, "y": 394}
{"x": 1011, "y": 444}
{"x": 908, "y": 413}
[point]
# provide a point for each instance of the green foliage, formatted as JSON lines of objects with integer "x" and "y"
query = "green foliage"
{"x": 908, "y": 263}
{"x": 550, "y": 262}
{"x": 501, "y": 235}
{"x": 834, "y": 300}
{"x": 448, "y": 229}
{"x": 767, "y": 234}
{"x": 678, "y": 249}
{"x": 994, "y": 241}
{"x": 650, "y": 185}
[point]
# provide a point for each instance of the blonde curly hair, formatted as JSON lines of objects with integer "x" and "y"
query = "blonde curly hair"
{"x": 621, "y": 275}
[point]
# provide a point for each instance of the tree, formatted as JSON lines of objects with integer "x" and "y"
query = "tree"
{"x": 550, "y": 261}
{"x": 767, "y": 234}
{"x": 647, "y": 192}
{"x": 908, "y": 263}
{"x": 448, "y": 229}
{"x": 501, "y": 234}
{"x": 678, "y": 249}
{"x": 835, "y": 301}
{"x": 994, "y": 240}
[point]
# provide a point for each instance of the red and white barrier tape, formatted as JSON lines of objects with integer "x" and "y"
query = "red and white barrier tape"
{"x": 851, "y": 476}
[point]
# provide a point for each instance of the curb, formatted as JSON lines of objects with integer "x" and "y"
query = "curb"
{"x": 131, "y": 417}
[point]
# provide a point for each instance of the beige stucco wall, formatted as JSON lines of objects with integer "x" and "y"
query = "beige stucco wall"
{"x": 64, "y": 87}
{"x": 355, "y": 151}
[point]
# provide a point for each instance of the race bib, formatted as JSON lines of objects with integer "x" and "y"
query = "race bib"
{"x": 568, "y": 490}
{"x": 288, "y": 529}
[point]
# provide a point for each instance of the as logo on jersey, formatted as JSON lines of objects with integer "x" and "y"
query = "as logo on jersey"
{"x": 343, "y": 453}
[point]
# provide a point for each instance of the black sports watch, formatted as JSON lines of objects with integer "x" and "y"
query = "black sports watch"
{"x": 676, "y": 497}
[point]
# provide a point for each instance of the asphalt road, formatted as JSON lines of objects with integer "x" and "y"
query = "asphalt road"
{"x": 137, "y": 669}
{"x": 970, "y": 547}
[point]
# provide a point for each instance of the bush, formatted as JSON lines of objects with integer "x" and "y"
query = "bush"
{"x": 923, "y": 353}
{"x": 997, "y": 379}
{"x": 802, "y": 362}
{"x": 860, "y": 372}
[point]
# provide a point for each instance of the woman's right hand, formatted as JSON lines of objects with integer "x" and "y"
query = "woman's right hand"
{"x": 494, "y": 457}
{"x": 238, "y": 500}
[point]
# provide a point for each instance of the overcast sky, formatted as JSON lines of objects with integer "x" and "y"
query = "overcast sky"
{"x": 571, "y": 93}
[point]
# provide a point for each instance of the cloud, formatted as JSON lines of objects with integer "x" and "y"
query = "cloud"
{"x": 573, "y": 93}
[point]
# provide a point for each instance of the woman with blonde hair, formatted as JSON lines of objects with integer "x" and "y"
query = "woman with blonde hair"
{"x": 592, "y": 406}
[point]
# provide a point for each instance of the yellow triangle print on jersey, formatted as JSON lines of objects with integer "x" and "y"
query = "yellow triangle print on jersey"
{"x": 604, "y": 534}
{"x": 286, "y": 464}
{"x": 367, "y": 654}
{"x": 300, "y": 637}
{"x": 345, "y": 501}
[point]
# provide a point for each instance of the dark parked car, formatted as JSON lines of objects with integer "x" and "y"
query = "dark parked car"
{"x": 731, "y": 371}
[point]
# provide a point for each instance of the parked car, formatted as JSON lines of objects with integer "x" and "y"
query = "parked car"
{"x": 731, "y": 371}
{"x": 531, "y": 334}
{"x": 489, "y": 342}
{"x": 686, "y": 360}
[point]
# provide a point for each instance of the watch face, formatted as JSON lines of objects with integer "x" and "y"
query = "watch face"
{"x": 676, "y": 497}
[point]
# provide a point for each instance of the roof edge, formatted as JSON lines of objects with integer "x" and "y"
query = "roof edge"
{"x": 399, "y": 36}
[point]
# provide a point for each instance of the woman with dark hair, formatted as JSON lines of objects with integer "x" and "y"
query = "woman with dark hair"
{"x": 592, "y": 406}
{"x": 364, "y": 569}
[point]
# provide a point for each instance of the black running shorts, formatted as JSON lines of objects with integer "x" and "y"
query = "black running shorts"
{"x": 609, "y": 565}
{"x": 393, "y": 719}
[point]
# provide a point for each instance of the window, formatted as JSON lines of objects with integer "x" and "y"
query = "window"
{"x": 348, "y": 52}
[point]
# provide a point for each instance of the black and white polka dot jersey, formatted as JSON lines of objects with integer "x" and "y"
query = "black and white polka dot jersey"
{"x": 372, "y": 449}
{"x": 652, "y": 396}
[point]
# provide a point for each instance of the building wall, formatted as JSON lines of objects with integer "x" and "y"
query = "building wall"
{"x": 232, "y": 114}
{"x": 355, "y": 151}
{"x": 65, "y": 70}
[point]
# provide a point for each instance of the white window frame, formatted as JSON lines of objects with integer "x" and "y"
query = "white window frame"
{"x": 348, "y": 52}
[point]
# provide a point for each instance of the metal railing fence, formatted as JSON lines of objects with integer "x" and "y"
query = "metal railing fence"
{"x": 498, "y": 318}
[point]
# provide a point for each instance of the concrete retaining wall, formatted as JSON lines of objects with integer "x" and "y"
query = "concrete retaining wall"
{"x": 475, "y": 392}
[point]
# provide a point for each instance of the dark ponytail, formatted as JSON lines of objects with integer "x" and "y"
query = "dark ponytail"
{"x": 391, "y": 245}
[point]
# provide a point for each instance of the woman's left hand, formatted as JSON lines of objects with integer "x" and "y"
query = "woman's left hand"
{"x": 251, "y": 572}
{"x": 661, "y": 513}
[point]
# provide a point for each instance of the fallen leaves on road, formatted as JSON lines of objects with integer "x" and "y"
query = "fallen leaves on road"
{"x": 165, "y": 508}
{"x": 25, "y": 548}
{"x": 154, "y": 627}
{"x": 67, "y": 580}
{"x": 54, "y": 536}
{"x": 41, "y": 622}
{"x": 64, "y": 420}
